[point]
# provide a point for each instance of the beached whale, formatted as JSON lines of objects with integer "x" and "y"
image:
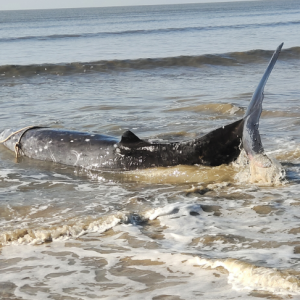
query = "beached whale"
{"x": 98, "y": 152}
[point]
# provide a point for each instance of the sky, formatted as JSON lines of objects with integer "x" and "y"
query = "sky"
{"x": 46, "y": 4}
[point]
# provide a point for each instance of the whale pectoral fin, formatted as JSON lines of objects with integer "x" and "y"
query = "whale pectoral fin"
{"x": 251, "y": 137}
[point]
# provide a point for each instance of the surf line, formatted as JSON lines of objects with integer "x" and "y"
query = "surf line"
{"x": 98, "y": 152}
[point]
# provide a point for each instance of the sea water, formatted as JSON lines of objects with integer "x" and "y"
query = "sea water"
{"x": 168, "y": 73}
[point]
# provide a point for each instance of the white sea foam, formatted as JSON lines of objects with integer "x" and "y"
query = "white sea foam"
{"x": 261, "y": 170}
{"x": 248, "y": 276}
{"x": 190, "y": 228}
{"x": 39, "y": 236}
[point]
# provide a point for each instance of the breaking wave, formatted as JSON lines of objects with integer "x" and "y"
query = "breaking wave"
{"x": 240, "y": 274}
{"x": 244, "y": 275}
{"x": 225, "y": 59}
{"x": 77, "y": 228}
{"x": 63, "y": 232}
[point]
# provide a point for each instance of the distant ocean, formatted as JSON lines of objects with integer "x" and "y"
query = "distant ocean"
{"x": 168, "y": 73}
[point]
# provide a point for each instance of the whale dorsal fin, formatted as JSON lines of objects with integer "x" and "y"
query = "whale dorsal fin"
{"x": 129, "y": 137}
{"x": 131, "y": 140}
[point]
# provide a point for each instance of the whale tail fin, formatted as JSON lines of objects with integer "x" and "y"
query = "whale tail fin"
{"x": 222, "y": 145}
{"x": 251, "y": 137}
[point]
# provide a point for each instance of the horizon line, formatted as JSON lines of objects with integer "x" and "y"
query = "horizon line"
{"x": 129, "y": 5}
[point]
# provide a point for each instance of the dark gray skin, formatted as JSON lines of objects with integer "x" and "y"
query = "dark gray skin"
{"x": 95, "y": 151}
{"x": 100, "y": 152}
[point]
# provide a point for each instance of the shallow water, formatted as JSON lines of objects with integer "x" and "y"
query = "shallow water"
{"x": 168, "y": 73}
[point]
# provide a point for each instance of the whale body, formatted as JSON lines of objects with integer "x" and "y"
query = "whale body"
{"x": 98, "y": 152}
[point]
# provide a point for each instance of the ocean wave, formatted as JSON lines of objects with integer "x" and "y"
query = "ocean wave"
{"x": 219, "y": 108}
{"x": 63, "y": 232}
{"x": 241, "y": 275}
{"x": 148, "y": 31}
{"x": 81, "y": 226}
{"x": 225, "y": 59}
{"x": 244, "y": 275}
